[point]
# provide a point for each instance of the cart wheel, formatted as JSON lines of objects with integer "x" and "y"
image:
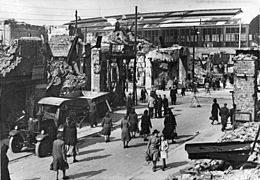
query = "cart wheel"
{"x": 43, "y": 148}
{"x": 16, "y": 143}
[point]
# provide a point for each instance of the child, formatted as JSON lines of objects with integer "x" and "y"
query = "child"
{"x": 164, "y": 151}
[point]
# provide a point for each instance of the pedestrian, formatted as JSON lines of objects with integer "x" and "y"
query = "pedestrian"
{"x": 165, "y": 104}
{"x": 159, "y": 106}
{"x": 156, "y": 106}
{"x": 170, "y": 124}
{"x": 125, "y": 132}
{"x": 151, "y": 103}
{"x": 173, "y": 95}
{"x": 214, "y": 111}
{"x": 153, "y": 148}
{"x": 164, "y": 151}
{"x": 145, "y": 125}
{"x": 183, "y": 88}
{"x": 93, "y": 114}
{"x": 195, "y": 101}
{"x": 70, "y": 137}
{"x": 224, "y": 114}
{"x": 5, "y": 175}
{"x": 107, "y": 125}
{"x": 163, "y": 84}
{"x": 232, "y": 112}
{"x": 143, "y": 95}
{"x": 207, "y": 88}
{"x": 129, "y": 103}
{"x": 133, "y": 120}
{"x": 59, "y": 157}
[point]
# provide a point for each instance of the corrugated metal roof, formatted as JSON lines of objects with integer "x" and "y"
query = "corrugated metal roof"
{"x": 164, "y": 17}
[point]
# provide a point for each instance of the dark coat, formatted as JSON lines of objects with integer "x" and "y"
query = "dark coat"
{"x": 59, "y": 155}
{"x": 160, "y": 102}
{"x": 165, "y": 102}
{"x": 70, "y": 135}
{"x": 169, "y": 126}
{"x": 145, "y": 124}
{"x": 214, "y": 110}
{"x": 5, "y": 175}
{"x": 106, "y": 126}
{"x": 224, "y": 114}
{"x": 133, "y": 120}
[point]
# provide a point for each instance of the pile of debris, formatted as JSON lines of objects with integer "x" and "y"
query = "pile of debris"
{"x": 8, "y": 59}
{"x": 60, "y": 73}
{"x": 246, "y": 132}
{"x": 220, "y": 169}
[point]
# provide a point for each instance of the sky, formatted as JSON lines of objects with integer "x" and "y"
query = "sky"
{"x": 58, "y": 12}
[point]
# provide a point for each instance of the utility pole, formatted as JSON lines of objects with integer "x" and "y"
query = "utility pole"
{"x": 135, "y": 54}
{"x": 76, "y": 23}
{"x": 193, "y": 51}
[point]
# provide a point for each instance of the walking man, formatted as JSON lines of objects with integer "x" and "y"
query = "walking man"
{"x": 173, "y": 95}
{"x": 165, "y": 104}
{"x": 224, "y": 114}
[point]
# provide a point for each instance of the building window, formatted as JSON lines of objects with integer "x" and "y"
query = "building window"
{"x": 215, "y": 37}
{"x": 207, "y": 37}
{"x": 243, "y": 37}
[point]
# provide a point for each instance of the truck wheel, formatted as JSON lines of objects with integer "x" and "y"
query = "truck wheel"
{"x": 43, "y": 148}
{"x": 16, "y": 143}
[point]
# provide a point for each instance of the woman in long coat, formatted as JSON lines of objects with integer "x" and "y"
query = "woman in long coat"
{"x": 59, "y": 157}
{"x": 70, "y": 136}
{"x": 214, "y": 111}
{"x": 133, "y": 120}
{"x": 169, "y": 126}
{"x": 106, "y": 126}
{"x": 153, "y": 148}
{"x": 125, "y": 134}
{"x": 145, "y": 125}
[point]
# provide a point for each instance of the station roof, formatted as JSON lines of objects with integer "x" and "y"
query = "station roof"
{"x": 165, "y": 19}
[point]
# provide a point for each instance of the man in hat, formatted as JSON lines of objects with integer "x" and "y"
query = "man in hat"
{"x": 224, "y": 114}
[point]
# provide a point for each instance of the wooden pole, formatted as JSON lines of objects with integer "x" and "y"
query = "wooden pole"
{"x": 76, "y": 22}
{"x": 135, "y": 51}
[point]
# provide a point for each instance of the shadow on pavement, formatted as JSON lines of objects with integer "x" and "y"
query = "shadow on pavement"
{"x": 90, "y": 151}
{"x": 183, "y": 136}
{"x": 92, "y": 140}
{"x": 94, "y": 157}
{"x": 176, "y": 164}
{"x": 86, "y": 174}
{"x": 137, "y": 145}
{"x": 33, "y": 178}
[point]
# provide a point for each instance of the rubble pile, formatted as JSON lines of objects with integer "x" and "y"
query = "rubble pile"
{"x": 61, "y": 73}
{"x": 219, "y": 169}
{"x": 246, "y": 132}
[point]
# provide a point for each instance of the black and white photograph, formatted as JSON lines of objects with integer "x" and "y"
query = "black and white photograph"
{"x": 130, "y": 89}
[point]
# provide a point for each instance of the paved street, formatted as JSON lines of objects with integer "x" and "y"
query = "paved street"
{"x": 99, "y": 160}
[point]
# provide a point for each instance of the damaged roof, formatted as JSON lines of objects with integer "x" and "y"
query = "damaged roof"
{"x": 8, "y": 60}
